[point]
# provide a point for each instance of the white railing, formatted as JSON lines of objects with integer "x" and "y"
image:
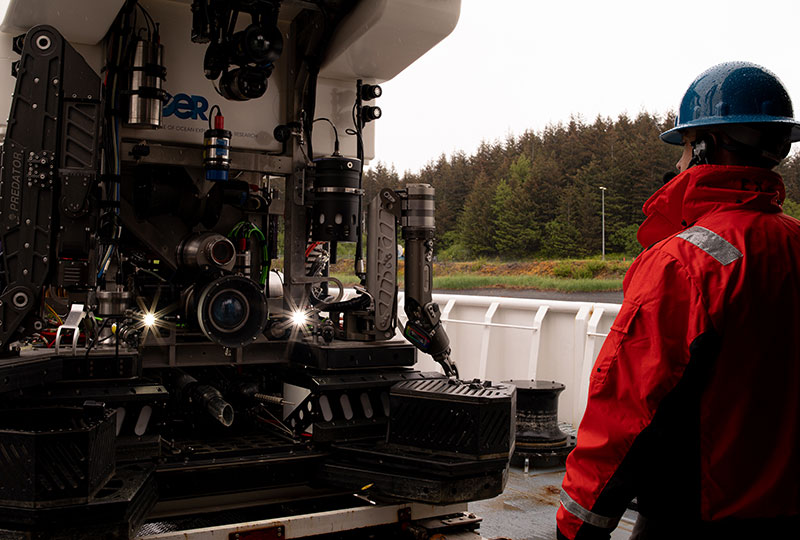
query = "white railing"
{"x": 502, "y": 339}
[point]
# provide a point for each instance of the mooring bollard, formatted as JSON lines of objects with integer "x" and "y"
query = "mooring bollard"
{"x": 539, "y": 441}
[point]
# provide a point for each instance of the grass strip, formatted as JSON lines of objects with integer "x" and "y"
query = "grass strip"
{"x": 468, "y": 281}
{"x": 526, "y": 282}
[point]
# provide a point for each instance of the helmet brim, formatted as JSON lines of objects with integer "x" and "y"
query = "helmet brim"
{"x": 675, "y": 135}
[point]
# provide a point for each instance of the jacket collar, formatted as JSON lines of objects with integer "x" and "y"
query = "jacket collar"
{"x": 704, "y": 189}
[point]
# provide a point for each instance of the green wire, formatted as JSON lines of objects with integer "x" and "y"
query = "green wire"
{"x": 236, "y": 228}
{"x": 247, "y": 228}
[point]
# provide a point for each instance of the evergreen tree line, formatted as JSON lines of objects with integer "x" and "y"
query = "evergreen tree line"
{"x": 538, "y": 194}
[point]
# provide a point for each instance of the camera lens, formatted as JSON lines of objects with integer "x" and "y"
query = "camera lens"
{"x": 245, "y": 83}
{"x": 258, "y": 45}
{"x": 229, "y": 310}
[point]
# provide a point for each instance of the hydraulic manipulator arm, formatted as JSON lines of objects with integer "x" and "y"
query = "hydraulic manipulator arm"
{"x": 50, "y": 160}
{"x": 424, "y": 328}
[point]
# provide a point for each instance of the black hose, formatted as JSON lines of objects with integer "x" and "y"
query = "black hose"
{"x": 359, "y": 302}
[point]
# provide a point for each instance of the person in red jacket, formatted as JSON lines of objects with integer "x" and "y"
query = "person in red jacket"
{"x": 694, "y": 400}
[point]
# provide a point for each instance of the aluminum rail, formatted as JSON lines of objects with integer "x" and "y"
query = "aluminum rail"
{"x": 498, "y": 338}
{"x": 302, "y": 526}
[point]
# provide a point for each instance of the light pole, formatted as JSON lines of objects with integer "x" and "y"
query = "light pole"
{"x": 603, "y": 216}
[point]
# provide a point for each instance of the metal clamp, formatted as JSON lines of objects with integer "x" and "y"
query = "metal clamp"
{"x": 73, "y": 322}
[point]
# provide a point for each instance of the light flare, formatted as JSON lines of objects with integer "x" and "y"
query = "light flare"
{"x": 299, "y": 318}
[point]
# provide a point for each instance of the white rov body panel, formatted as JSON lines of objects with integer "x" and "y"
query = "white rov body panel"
{"x": 380, "y": 38}
{"x": 376, "y": 41}
{"x": 185, "y": 117}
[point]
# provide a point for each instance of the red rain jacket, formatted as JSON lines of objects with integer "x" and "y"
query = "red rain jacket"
{"x": 694, "y": 400}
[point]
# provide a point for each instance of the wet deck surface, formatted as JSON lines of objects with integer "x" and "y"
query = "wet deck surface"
{"x": 526, "y": 510}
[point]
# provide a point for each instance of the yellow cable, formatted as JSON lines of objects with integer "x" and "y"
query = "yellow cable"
{"x": 54, "y": 313}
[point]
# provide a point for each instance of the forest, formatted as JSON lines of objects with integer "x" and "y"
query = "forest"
{"x": 537, "y": 195}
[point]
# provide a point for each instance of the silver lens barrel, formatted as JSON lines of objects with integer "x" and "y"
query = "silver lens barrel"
{"x": 207, "y": 251}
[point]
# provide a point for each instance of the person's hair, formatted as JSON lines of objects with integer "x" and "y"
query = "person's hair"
{"x": 754, "y": 145}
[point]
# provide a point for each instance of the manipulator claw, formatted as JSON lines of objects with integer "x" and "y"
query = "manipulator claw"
{"x": 428, "y": 335}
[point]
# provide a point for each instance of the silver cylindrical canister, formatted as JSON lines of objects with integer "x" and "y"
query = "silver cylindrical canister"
{"x": 146, "y": 94}
{"x": 207, "y": 250}
{"x": 113, "y": 302}
{"x": 419, "y": 207}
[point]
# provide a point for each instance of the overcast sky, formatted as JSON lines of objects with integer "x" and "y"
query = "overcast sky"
{"x": 511, "y": 65}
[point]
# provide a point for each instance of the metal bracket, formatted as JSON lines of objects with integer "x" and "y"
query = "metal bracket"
{"x": 390, "y": 201}
{"x": 463, "y": 521}
{"x": 73, "y": 322}
{"x": 404, "y": 514}
{"x": 75, "y": 192}
{"x": 268, "y": 533}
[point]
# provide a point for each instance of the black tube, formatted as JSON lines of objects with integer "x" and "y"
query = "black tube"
{"x": 204, "y": 396}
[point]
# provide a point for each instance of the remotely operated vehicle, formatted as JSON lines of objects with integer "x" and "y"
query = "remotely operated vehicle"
{"x": 177, "y": 179}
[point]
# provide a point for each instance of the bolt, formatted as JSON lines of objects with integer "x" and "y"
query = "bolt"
{"x": 36, "y": 80}
{"x": 44, "y": 259}
{"x": 34, "y": 106}
{"x": 25, "y": 272}
{"x": 27, "y": 245}
{"x": 55, "y": 82}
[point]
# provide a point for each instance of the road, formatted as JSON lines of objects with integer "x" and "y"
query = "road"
{"x": 608, "y": 297}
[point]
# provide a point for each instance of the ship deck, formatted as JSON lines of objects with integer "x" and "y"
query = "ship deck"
{"x": 526, "y": 510}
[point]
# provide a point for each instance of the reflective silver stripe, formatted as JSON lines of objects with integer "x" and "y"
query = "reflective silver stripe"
{"x": 585, "y": 515}
{"x": 712, "y": 243}
{"x": 333, "y": 189}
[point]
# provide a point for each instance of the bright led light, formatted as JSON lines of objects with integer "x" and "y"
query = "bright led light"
{"x": 149, "y": 319}
{"x": 299, "y": 318}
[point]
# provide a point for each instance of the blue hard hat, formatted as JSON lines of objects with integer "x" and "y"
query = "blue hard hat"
{"x": 734, "y": 93}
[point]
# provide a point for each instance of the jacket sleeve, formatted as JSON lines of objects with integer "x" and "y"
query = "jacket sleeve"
{"x": 641, "y": 361}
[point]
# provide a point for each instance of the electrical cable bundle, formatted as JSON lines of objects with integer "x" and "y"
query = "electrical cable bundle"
{"x": 121, "y": 46}
{"x": 241, "y": 234}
